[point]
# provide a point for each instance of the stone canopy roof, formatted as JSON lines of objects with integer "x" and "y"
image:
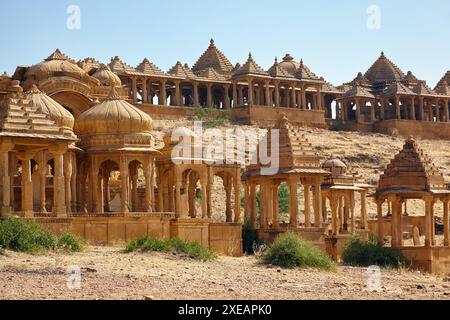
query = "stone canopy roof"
{"x": 422, "y": 89}
{"x": 397, "y": 88}
{"x": 357, "y": 91}
{"x": 278, "y": 72}
{"x": 182, "y": 71}
{"x": 411, "y": 171}
{"x": 21, "y": 117}
{"x": 384, "y": 70}
{"x": 250, "y": 68}
{"x": 443, "y": 86}
{"x": 213, "y": 58}
{"x": 296, "y": 154}
{"x": 212, "y": 75}
{"x": 149, "y": 68}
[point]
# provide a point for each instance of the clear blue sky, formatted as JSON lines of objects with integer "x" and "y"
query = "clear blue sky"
{"x": 331, "y": 36}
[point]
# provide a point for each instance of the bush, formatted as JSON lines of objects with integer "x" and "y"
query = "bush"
{"x": 210, "y": 116}
{"x": 70, "y": 243}
{"x": 21, "y": 235}
{"x": 191, "y": 249}
{"x": 25, "y": 236}
{"x": 290, "y": 251}
{"x": 364, "y": 253}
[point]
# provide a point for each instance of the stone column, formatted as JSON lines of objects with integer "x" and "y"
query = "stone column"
{"x": 438, "y": 114}
{"x": 317, "y": 204}
{"x": 68, "y": 169}
{"x": 428, "y": 213}
{"x": 6, "y": 181}
{"x": 144, "y": 91}
{"x": 235, "y": 95}
{"x": 27, "y": 186}
{"x": 304, "y": 103}
{"x": 293, "y": 95}
{"x": 178, "y": 212}
{"x": 253, "y": 205}
{"x": 275, "y": 206}
{"x": 277, "y": 94}
{"x": 246, "y": 201}
{"x": 358, "y": 111}
{"x": 335, "y": 227}
{"x": 421, "y": 109}
{"x": 134, "y": 86}
{"x": 372, "y": 111}
{"x": 267, "y": 93}
{"x": 380, "y": 221}
{"x": 162, "y": 99}
{"x": 209, "y": 100}
{"x": 241, "y": 96}
{"x": 413, "y": 108}
{"x": 177, "y": 98}
{"x": 397, "y": 108}
{"x": 195, "y": 93}
{"x": 124, "y": 177}
{"x": 324, "y": 209}
{"x": 42, "y": 184}
{"x": 237, "y": 199}
{"x": 228, "y": 187}
{"x": 364, "y": 225}
{"x": 382, "y": 109}
{"x": 226, "y": 97}
{"x": 250, "y": 92}
{"x": 59, "y": 204}
{"x": 306, "y": 190}
{"x": 148, "y": 174}
{"x": 446, "y": 111}
{"x": 446, "y": 222}
{"x": 293, "y": 203}
{"x": 319, "y": 98}
{"x": 204, "y": 199}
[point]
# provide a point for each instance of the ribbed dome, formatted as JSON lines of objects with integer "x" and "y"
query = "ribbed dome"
{"x": 113, "y": 116}
{"x": 53, "y": 109}
{"x": 57, "y": 64}
{"x": 289, "y": 64}
{"x": 335, "y": 166}
{"x": 106, "y": 76}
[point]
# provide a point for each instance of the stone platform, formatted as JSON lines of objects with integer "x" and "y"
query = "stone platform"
{"x": 224, "y": 238}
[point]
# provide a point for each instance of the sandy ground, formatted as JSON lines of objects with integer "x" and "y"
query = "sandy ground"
{"x": 109, "y": 274}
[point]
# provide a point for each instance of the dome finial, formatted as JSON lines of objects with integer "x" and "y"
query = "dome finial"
{"x": 276, "y": 60}
{"x": 250, "y": 55}
{"x": 382, "y": 54}
{"x": 211, "y": 42}
{"x": 113, "y": 94}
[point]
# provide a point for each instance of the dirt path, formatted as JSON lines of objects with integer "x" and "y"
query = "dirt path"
{"x": 109, "y": 274}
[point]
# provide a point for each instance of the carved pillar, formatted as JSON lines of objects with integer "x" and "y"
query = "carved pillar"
{"x": 413, "y": 108}
{"x": 148, "y": 174}
{"x": 237, "y": 198}
{"x": 380, "y": 221}
{"x": 162, "y": 99}
{"x": 27, "y": 186}
{"x": 304, "y": 103}
{"x": 134, "y": 86}
{"x": 226, "y": 97}
{"x": 277, "y": 94}
{"x": 293, "y": 95}
{"x": 428, "y": 225}
{"x": 364, "y": 225}
{"x": 267, "y": 93}
{"x": 68, "y": 169}
{"x": 317, "y": 204}
{"x": 306, "y": 190}
{"x": 6, "y": 181}
{"x": 334, "y": 214}
{"x": 275, "y": 209}
{"x": 446, "y": 111}
{"x": 59, "y": 205}
{"x": 144, "y": 91}
{"x": 250, "y": 92}
{"x": 421, "y": 109}
{"x": 235, "y": 96}
{"x": 42, "y": 184}
{"x": 358, "y": 111}
{"x": 382, "y": 109}
{"x": 124, "y": 177}
{"x": 195, "y": 93}
{"x": 372, "y": 111}
{"x": 209, "y": 99}
{"x": 204, "y": 198}
{"x": 241, "y": 96}
{"x": 253, "y": 205}
{"x": 293, "y": 203}
{"x": 178, "y": 211}
{"x": 397, "y": 108}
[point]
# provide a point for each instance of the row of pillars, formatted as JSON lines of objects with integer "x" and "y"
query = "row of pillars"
{"x": 269, "y": 210}
{"x": 428, "y": 111}
{"x": 397, "y": 220}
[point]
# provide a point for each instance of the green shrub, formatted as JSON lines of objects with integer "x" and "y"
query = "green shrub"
{"x": 290, "y": 251}
{"x": 70, "y": 243}
{"x": 192, "y": 249}
{"x": 283, "y": 198}
{"x": 211, "y": 116}
{"x": 25, "y": 236}
{"x": 21, "y": 235}
{"x": 364, "y": 253}
{"x": 2, "y": 251}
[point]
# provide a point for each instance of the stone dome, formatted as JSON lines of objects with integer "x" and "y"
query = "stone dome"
{"x": 106, "y": 76}
{"x": 53, "y": 109}
{"x": 289, "y": 64}
{"x": 57, "y": 64}
{"x": 384, "y": 70}
{"x": 114, "y": 116}
{"x": 335, "y": 166}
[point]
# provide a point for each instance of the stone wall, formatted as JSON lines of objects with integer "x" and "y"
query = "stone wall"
{"x": 417, "y": 129}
